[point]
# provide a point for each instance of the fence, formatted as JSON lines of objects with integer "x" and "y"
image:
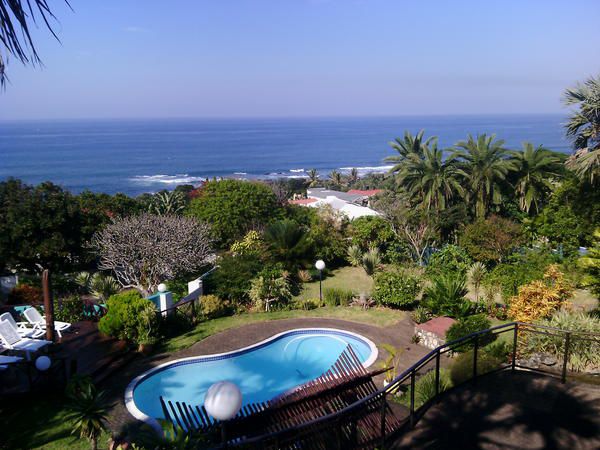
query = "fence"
{"x": 423, "y": 384}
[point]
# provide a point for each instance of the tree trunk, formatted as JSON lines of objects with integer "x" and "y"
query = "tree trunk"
{"x": 94, "y": 443}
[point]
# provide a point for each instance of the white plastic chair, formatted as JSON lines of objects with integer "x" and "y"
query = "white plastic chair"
{"x": 9, "y": 336}
{"x": 21, "y": 327}
{"x": 5, "y": 361}
{"x": 38, "y": 321}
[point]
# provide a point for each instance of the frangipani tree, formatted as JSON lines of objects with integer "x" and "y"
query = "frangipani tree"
{"x": 145, "y": 250}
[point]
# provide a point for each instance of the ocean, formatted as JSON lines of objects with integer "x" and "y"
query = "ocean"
{"x": 136, "y": 156}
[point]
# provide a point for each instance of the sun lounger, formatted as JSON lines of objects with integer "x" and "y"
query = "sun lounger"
{"x": 21, "y": 327}
{"x": 5, "y": 361}
{"x": 38, "y": 321}
{"x": 9, "y": 336}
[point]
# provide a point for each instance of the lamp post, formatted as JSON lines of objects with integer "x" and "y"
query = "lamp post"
{"x": 320, "y": 265}
{"x": 223, "y": 401}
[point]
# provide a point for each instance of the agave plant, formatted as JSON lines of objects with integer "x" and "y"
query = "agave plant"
{"x": 354, "y": 255}
{"x": 167, "y": 203}
{"x": 98, "y": 285}
{"x": 88, "y": 411}
{"x": 371, "y": 260}
{"x": 446, "y": 296}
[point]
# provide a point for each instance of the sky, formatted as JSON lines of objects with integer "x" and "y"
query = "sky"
{"x": 296, "y": 58}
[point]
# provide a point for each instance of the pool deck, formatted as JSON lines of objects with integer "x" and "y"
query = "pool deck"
{"x": 399, "y": 335}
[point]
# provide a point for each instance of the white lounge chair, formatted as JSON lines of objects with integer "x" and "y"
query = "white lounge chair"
{"x": 38, "y": 321}
{"x": 22, "y": 328}
{"x": 5, "y": 361}
{"x": 9, "y": 336}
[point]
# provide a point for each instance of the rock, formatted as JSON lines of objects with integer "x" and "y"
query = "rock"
{"x": 548, "y": 360}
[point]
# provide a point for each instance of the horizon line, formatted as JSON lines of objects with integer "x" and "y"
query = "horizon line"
{"x": 283, "y": 117}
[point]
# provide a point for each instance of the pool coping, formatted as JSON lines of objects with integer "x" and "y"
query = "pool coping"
{"x": 152, "y": 422}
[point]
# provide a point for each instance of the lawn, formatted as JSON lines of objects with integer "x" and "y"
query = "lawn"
{"x": 41, "y": 421}
{"x": 354, "y": 279}
{"x": 381, "y": 317}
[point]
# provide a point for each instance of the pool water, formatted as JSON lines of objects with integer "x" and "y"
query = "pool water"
{"x": 262, "y": 372}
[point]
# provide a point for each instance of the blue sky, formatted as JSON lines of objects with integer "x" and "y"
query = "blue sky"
{"x": 248, "y": 58}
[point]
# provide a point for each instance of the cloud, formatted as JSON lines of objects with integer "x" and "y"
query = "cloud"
{"x": 134, "y": 29}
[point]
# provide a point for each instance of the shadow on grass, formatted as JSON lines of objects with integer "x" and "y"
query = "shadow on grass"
{"x": 511, "y": 411}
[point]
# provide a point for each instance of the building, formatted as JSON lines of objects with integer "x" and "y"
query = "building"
{"x": 353, "y": 204}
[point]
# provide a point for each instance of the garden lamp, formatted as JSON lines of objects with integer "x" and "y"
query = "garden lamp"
{"x": 320, "y": 265}
{"x": 223, "y": 401}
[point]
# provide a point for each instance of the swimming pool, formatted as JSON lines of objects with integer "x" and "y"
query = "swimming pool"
{"x": 261, "y": 371}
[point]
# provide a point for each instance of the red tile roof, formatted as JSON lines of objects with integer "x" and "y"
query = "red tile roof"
{"x": 303, "y": 201}
{"x": 438, "y": 325}
{"x": 366, "y": 193}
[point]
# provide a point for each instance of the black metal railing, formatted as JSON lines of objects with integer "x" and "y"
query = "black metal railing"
{"x": 338, "y": 430}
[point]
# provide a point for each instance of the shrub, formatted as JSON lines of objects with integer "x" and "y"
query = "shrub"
{"x": 396, "y": 288}
{"x": 584, "y": 355}
{"x": 420, "y": 314}
{"x": 251, "y": 245}
{"x": 467, "y": 325}
{"x": 450, "y": 259}
{"x": 461, "y": 369}
{"x": 233, "y": 207}
{"x": 425, "y": 388}
{"x": 231, "y": 281}
{"x": 591, "y": 264}
{"x": 337, "y": 297}
{"x": 25, "y": 295}
{"x": 271, "y": 285}
{"x": 308, "y": 304}
{"x": 69, "y": 309}
{"x": 129, "y": 317}
{"x": 213, "y": 306}
{"x": 518, "y": 270}
{"x": 539, "y": 299}
{"x": 492, "y": 239}
{"x": 498, "y": 349}
{"x": 446, "y": 297}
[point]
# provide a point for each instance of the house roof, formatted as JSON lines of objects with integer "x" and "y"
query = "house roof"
{"x": 365, "y": 193}
{"x": 303, "y": 201}
{"x": 437, "y": 326}
{"x": 323, "y": 193}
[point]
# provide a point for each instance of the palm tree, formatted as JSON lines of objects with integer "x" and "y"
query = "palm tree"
{"x": 409, "y": 145}
{"x": 336, "y": 178}
{"x": 431, "y": 180}
{"x": 313, "y": 177}
{"x": 16, "y": 18}
{"x": 534, "y": 168}
{"x": 353, "y": 176}
{"x": 583, "y": 127}
{"x": 287, "y": 241}
{"x": 484, "y": 160}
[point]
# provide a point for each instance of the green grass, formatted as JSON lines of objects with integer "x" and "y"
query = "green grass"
{"x": 351, "y": 278}
{"x": 41, "y": 422}
{"x": 381, "y": 317}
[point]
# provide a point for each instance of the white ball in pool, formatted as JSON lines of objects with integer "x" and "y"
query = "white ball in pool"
{"x": 223, "y": 400}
